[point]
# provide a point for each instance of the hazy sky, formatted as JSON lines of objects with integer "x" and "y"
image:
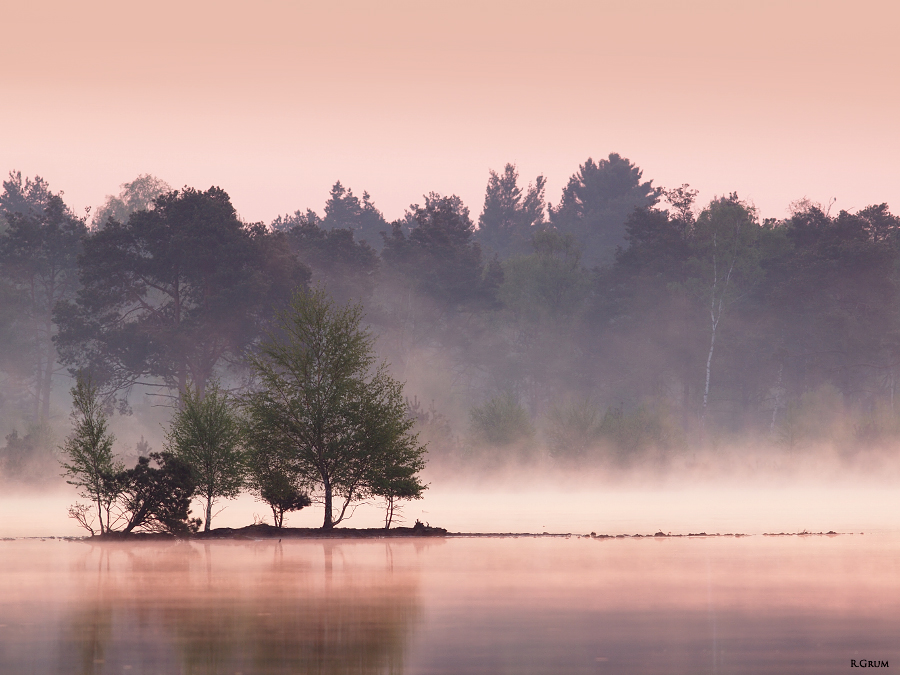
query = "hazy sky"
{"x": 274, "y": 101}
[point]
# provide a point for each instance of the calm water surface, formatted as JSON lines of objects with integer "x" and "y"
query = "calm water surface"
{"x": 715, "y": 605}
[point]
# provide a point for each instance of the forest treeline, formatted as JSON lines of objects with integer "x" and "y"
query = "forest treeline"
{"x": 622, "y": 320}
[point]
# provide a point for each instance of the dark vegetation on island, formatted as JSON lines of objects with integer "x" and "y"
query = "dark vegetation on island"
{"x": 625, "y": 325}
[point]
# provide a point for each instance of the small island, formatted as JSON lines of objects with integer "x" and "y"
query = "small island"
{"x": 324, "y": 423}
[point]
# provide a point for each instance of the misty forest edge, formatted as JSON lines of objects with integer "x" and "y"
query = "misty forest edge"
{"x": 604, "y": 329}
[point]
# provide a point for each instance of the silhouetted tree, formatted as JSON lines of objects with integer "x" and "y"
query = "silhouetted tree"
{"x": 440, "y": 257}
{"x": 157, "y": 498}
{"x": 38, "y": 262}
{"x": 510, "y": 216}
{"x": 176, "y": 294}
{"x": 345, "y": 211}
{"x": 345, "y": 267}
{"x": 596, "y": 203}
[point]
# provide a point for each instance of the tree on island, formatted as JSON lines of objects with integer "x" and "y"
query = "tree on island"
{"x": 396, "y": 480}
{"x": 338, "y": 417}
{"x": 88, "y": 460}
{"x": 158, "y": 498}
{"x": 146, "y": 498}
{"x": 206, "y": 435}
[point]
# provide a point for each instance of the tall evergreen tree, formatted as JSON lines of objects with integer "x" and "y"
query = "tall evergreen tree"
{"x": 511, "y": 216}
{"x": 597, "y": 201}
{"x": 345, "y": 211}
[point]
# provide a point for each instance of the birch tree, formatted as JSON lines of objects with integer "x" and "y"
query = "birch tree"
{"x": 328, "y": 405}
{"x": 724, "y": 266}
{"x": 206, "y": 435}
{"x": 88, "y": 461}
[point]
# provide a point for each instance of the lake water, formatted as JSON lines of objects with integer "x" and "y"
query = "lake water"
{"x": 517, "y": 605}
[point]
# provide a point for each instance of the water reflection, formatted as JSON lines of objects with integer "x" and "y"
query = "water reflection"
{"x": 214, "y": 608}
{"x": 754, "y": 605}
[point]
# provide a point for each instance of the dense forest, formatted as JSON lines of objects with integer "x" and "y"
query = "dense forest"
{"x": 623, "y": 322}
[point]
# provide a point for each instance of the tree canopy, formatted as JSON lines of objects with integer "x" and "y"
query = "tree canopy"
{"x": 176, "y": 294}
{"x": 327, "y": 405}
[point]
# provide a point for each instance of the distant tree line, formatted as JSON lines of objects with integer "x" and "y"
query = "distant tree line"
{"x": 624, "y": 316}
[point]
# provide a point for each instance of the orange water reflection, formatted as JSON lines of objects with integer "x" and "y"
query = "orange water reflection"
{"x": 752, "y": 605}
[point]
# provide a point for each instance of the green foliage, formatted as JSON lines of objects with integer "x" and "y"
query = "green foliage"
{"x": 206, "y": 435}
{"x": 501, "y": 421}
{"x": 87, "y": 459}
{"x": 271, "y": 476}
{"x": 326, "y": 404}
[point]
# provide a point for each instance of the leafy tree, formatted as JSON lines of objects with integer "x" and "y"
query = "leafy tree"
{"x": 396, "y": 480}
{"x": 640, "y": 305}
{"x": 548, "y": 285}
{"x": 176, "y": 294}
{"x": 88, "y": 458}
{"x": 829, "y": 297}
{"x": 38, "y": 261}
{"x": 510, "y": 217}
{"x": 205, "y": 435}
{"x": 28, "y": 197}
{"x": 596, "y": 203}
{"x": 138, "y": 195}
{"x": 325, "y": 402}
{"x": 271, "y": 478}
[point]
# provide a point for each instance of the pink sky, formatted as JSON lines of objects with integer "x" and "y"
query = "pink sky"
{"x": 275, "y": 100}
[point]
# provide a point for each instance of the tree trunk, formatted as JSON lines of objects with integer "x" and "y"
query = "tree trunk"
{"x": 50, "y": 361}
{"x": 209, "y": 503}
{"x": 327, "y": 524}
{"x": 389, "y": 513}
{"x": 712, "y": 347}
{"x": 100, "y": 516}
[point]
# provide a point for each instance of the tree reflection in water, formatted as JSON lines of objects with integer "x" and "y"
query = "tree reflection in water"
{"x": 222, "y": 607}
